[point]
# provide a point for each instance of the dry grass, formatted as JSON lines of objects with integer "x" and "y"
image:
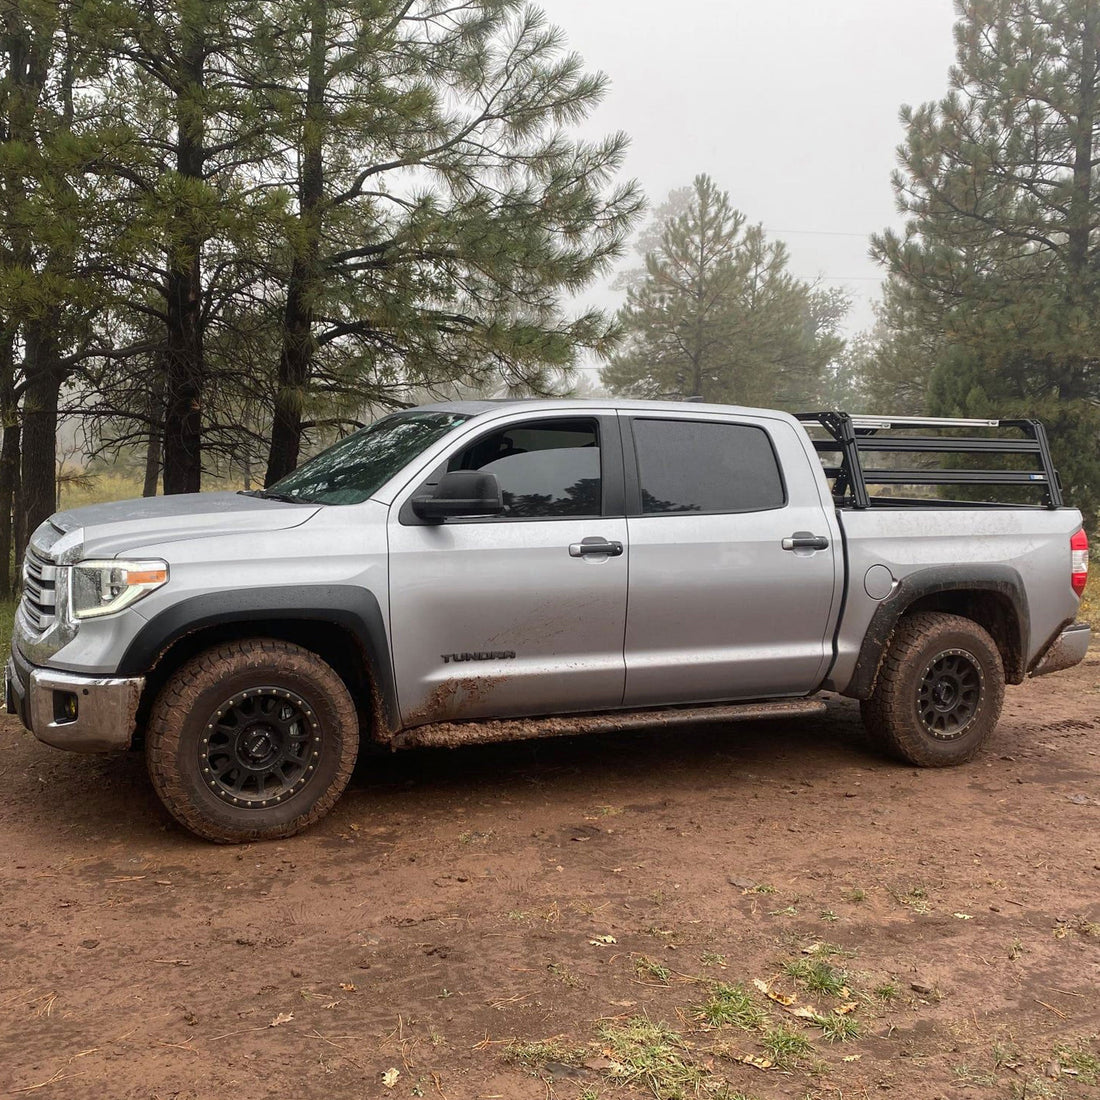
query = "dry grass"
{"x": 1090, "y": 602}
{"x": 101, "y": 486}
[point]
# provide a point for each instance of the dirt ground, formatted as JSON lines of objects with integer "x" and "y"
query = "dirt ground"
{"x": 574, "y": 918}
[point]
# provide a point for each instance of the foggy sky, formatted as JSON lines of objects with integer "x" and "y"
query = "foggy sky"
{"x": 791, "y": 106}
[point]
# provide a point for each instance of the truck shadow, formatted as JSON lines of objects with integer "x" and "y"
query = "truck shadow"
{"x": 691, "y": 751}
{"x": 110, "y": 797}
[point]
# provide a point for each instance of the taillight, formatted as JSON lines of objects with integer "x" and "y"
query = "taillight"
{"x": 1079, "y": 561}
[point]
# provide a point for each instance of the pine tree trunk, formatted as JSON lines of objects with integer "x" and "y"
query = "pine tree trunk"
{"x": 18, "y": 517}
{"x": 184, "y": 366}
{"x": 9, "y": 500}
{"x": 294, "y": 361}
{"x": 1080, "y": 220}
{"x": 183, "y": 383}
{"x": 42, "y": 386}
{"x": 152, "y": 465}
{"x": 9, "y": 462}
{"x": 1075, "y": 374}
{"x": 303, "y": 285}
{"x": 154, "y": 450}
{"x": 27, "y": 61}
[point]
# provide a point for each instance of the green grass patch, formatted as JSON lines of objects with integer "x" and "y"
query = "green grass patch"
{"x": 823, "y": 949}
{"x": 818, "y": 976}
{"x": 915, "y": 898}
{"x": 730, "y": 1004}
{"x": 565, "y": 975}
{"x": 651, "y": 970}
{"x": 971, "y": 1076}
{"x": 786, "y": 911}
{"x": 540, "y": 1051}
{"x": 653, "y": 1056}
{"x": 1083, "y": 1057}
{"x": 786, "y": 1048}
{"x": 837, "y": 1028}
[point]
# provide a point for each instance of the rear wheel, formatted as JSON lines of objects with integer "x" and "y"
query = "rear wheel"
{"x": 939, "y": 691}
{"x": 252, "y": 740}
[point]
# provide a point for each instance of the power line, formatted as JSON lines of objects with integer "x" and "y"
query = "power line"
{"x": 819, "y": 233}
{"x": 843, "y": 278}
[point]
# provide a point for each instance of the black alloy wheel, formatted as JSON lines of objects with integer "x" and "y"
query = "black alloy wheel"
{"x": 949, "y": 694}
{"x": 261, "y": 747}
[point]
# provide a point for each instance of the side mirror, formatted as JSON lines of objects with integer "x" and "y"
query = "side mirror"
{"x": 460, "y": 493}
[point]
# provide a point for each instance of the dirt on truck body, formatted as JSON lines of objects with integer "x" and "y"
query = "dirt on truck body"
{"x": 763, "y": 910}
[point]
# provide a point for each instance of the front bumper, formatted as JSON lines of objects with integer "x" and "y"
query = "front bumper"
{"x": 1067, "y": 650}
{"x": 68, "y": 711}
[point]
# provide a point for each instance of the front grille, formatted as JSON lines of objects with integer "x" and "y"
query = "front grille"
{"x": 39, "y": 590}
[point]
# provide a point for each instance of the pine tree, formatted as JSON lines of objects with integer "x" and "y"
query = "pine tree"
{"x": 716, "y": 314}
{"x": 268, "y": 215}
{"x": 998, "y": 265}
{"x": 52, "y": 240}
{"x": 443, "y": 211}
{"x": 187, "y": 88}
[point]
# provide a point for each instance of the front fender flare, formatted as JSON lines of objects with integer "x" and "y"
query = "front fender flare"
{"x": 351, "y": 607}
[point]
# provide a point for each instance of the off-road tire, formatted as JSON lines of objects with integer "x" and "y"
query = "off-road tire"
{"x": 230, "y": 678}
{"x": 932, "y": 659}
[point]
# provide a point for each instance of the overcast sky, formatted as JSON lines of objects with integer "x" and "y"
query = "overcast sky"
{"x": 790, "y": 105}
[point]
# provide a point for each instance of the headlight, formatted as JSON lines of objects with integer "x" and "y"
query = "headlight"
{"x": 104, "y": 587}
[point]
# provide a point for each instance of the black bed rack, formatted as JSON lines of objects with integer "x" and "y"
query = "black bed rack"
{"x": 853, "y": 437}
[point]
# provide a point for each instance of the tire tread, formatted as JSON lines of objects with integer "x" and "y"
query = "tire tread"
{"x": 886, "y": 712}
{"x": 179, "y": 698}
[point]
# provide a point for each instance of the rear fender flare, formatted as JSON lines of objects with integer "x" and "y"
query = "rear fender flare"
{"x": 1000, "y": 580}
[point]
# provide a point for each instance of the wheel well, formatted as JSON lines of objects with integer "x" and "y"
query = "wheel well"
{"x": 334, "y": 644}
{"x": 991, "y": 610}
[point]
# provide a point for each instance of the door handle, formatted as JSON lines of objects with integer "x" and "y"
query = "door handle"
{"x": 592, "y": 546}
{"x": 805, "y": 540}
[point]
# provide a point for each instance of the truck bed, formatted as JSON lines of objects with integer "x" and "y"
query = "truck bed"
{"x": 1030, "y": 544}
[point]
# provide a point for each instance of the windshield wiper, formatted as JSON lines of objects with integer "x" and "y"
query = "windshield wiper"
{"x": 285, "y": 498}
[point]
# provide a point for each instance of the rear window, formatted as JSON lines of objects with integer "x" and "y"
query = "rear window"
{"x": 706, "y": 466}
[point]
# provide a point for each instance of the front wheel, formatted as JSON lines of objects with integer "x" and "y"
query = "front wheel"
{"x": 251, "y": 740}
{"x": 939, "y": 691}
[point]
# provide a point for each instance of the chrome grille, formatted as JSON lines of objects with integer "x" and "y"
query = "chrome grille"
{"x": 39, "y": 590}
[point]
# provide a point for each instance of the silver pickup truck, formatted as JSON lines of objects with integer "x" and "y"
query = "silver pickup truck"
{"x": 476, "y": 571}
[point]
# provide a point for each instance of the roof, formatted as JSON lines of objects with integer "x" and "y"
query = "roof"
{"x": 571, "y": 404}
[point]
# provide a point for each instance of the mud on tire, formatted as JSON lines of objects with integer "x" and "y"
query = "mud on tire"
{"x": 251, "y": 740}
{"x": 939, "y": 691}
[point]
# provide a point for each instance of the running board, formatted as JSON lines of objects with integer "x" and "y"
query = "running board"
{"x": 488, "y": 731}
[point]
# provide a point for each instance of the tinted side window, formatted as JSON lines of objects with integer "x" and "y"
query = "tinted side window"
{"x": 545, "y": 468}
{"x": 700, "y": 466}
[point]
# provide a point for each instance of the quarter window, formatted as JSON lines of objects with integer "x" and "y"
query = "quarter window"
{"x": 546, "y": 468}
{"x": 706, "y": 466}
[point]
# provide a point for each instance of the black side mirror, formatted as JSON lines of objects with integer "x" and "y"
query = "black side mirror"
{"x": 461, "y": 493}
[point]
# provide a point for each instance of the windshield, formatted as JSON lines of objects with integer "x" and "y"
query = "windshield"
{"x": 357, "y": 466}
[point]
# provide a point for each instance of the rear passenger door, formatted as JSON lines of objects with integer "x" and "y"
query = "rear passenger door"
{"x": 718, "y": 608}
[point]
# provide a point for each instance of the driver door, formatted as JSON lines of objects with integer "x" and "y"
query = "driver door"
{"x": 510, "y": 615}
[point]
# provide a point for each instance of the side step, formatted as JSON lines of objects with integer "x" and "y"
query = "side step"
{"x": 453, "y": 734}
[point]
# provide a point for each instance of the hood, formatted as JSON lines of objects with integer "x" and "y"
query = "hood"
{"x": 115, "y": 528}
